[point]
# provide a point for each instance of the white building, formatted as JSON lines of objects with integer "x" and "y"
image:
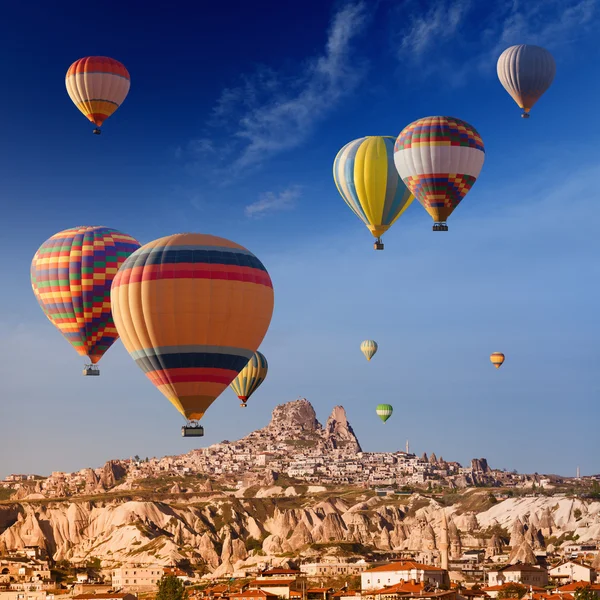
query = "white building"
{"x": 525, "y": 574}
{"x": 137, "y": 578}
{"x": 572, "y": 570}
{"x": 333, "y": 569}
{"x": 394, "y": 573}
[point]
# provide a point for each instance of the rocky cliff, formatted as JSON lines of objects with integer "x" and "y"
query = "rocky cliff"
{"x": 297, "y": 421}
{"x": 223, "y": 532}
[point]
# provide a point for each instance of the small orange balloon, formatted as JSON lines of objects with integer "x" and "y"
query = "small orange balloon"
{"x": 497, "y": 359}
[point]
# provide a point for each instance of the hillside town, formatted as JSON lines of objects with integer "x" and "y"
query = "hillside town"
{"x": 298, "y": 511}
{"x": 294, "y": 445}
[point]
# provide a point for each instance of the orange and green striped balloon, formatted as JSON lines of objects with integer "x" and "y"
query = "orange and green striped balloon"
{"x": 71, "y": 275}
{"x": 497, "y": 359}
{"x": 192, "y": 309}
{"x": 97, "y": 85}
{"x": 250, "y": 377}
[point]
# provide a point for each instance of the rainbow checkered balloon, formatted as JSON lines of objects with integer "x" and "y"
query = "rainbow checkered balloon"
{"x": 71, "y": 275}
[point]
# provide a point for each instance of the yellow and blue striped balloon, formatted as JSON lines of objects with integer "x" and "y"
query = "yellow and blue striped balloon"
{"x": 368, "y": 348}
{"x": 367, "y": 179}
{"x": 250, "y": 377}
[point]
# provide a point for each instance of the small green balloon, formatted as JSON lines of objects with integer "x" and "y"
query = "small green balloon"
{"x": 384, "y": 411}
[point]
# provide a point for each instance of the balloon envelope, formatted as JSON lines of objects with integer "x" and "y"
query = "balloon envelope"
{"x": 366, "y": 178}
{"x": 384, "y": 411}
{"x": 250, "y": 377}
{"x": 369, "y": 348}
{"x": 71, "y": 275}
{"x": 97, "y": 85}
{"x": 191, "y": 310}
{"x": 439, "y": 159}
{"x": 526, "y": 72}
{"x": 497, "y": 359}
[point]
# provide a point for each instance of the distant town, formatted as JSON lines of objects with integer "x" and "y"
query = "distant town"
{"x": 299, "y": 511}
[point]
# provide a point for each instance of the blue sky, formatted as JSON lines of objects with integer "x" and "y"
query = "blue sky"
{"x": 234, "y": 117}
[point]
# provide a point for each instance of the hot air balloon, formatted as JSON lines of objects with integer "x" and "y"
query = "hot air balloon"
{"x": 71, "y": 274}
{"x": 365, "y": 177}
{"x": 439, "y": 159}
{"x": 497, "y": 359}
{"x": 526, "y": 72}
{"x": 368, "y": 348}
{"x": 97, "y": 85}
{"x": 192, "y": 310}
{"x": 384, "y": 411}
{"x": 250, "y": 377}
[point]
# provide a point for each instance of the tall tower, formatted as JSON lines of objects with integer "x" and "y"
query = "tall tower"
{"x": 407, "y": 448}
{"x": 444, "y": 543}
{"x": 578, "y": 473}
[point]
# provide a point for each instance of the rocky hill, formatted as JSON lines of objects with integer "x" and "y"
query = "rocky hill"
{"x": 292, "y": 488}
{"x": 296, "y": 421}
{"x": 224, "y": 533}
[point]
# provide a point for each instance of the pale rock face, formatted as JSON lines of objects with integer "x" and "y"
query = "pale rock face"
{"x": 208, "y": 551}
{"x": 332, "y": 529}
{"x": 127, "y": 532}
{"x": 523, "y": 554}
{"x": 272, "y": 545}
{"x": 300, "y": 537}
{"x": 296, "y": 414}
{"x": 495, "y": 547}
{"x": 339, "y": 432}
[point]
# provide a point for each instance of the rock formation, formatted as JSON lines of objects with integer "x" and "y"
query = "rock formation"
{"x": 479, "y": 465}
{"x": 522, "y": 554}
{"x": 339, "y": 432}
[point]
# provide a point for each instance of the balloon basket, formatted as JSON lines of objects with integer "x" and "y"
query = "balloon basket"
{"x": 192, "y": 429}
{"x": 378, "y": 245}
{"x": 525, "y": 116}
{"x": 97, "y": 131}
{"x": 91, "y": 371}
{"x": 440, "y": 227}
{"x": 243, "y": 405}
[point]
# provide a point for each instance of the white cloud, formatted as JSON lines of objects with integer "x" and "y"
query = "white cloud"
{"x": 271, "y": 202}
{"x": 548, "y": 23}
{"x": 440, "y": 23}
{"x": 465, "y": 37}
{"x": 275, "y": 112}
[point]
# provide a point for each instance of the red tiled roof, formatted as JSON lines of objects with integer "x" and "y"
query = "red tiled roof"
{"x": 575, "y": 585}
{"x": 498, "y": 588}
{"x": 271, "y": 581}
{"x": 521, "y": 567}
{"x": 575, "y": 562}
{"x": 401, "y": 588}
{"x": 254, "y": 594}
{"x": 99, "y": 596}
{"x": 404, "y": 565}
{"x": 279, "y": 571}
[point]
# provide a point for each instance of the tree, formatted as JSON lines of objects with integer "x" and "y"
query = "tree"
{"x": 512, "y": 590}
{"x": 585, "y": 592}
{"x": 170, "y": 588}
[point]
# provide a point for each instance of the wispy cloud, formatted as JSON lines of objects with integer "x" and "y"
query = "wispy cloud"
{"x": 439, "y": 24}
{"x": 276, "y": 112}
{"x": 272, "y": 202}
{"x": 465, "y": 37}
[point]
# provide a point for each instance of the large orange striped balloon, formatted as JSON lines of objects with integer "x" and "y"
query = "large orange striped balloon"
{"x": 98, "y": 85}
{"x": 191, "y": 310}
